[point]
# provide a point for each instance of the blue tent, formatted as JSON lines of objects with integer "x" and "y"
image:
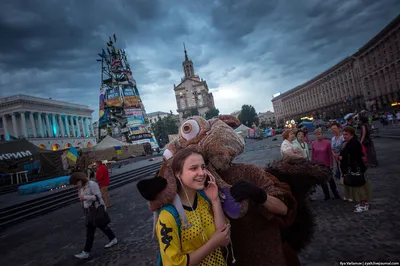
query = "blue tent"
{"x": 309, "y": 125}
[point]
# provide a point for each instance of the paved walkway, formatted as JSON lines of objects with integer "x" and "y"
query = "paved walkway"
{"x": 341, "y": 235}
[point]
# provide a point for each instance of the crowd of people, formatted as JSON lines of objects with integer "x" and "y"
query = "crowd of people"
{"x": 345, "y": 154}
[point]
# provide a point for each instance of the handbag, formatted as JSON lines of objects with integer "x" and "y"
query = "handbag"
{"x": 97, "y": 216}
{"x": 354, "y": 179}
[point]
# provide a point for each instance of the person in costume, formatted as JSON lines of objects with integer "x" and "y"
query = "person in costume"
{"x": 207, "y": 231}
{"x": 262, "y": 209}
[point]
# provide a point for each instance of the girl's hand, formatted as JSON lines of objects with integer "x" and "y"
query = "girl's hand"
{"x": 81, "y": 198}
{"x": 212, "y": 189}
{"x": 221, "y": 237}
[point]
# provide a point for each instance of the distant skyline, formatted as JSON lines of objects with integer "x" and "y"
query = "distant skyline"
{"x": 246, "y": 50}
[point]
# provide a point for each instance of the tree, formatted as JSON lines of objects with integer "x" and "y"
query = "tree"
{"x": 191, "y": 112}
{"x": 212, "y": 113}
{"x": 248, "y": 115}
{"x": 263, "y": 125}
{"x": 164, "y": 127}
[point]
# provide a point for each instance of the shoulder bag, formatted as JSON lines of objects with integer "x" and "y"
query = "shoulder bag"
{"x": 354, "y": 178}
{"x": 97, "y": 216}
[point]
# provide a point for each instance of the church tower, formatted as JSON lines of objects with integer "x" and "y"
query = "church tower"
{"x": 187, "y": 65}
{"x": 192, "y": 94}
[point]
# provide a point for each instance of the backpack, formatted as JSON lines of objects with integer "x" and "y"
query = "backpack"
{"x": 172, "y": 210}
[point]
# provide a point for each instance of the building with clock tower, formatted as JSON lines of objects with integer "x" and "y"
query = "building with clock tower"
{"x": 192, "y": 94}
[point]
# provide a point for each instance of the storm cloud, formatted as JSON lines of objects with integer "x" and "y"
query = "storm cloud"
{"x": 242, "y": 48}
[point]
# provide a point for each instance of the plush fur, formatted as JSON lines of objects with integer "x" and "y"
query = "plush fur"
{"x": 301, "y": 174}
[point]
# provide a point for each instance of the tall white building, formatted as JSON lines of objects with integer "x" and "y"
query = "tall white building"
{"x": 47, "y": 123}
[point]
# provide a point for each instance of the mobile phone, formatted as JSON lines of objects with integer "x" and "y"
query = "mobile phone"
{"x": 207, "y": 181}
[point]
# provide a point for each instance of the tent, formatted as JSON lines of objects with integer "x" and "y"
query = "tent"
{"x": 15, "y": 154}
{"x": 242, "y": 130}
{"x": 20, "y": 155}
{"x": 110, "y": 148}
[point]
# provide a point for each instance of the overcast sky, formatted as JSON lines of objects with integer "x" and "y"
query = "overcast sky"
{"x": 245, "y": 50}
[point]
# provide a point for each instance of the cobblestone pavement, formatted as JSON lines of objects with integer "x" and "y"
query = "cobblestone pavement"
{"x": 341, "y": 235}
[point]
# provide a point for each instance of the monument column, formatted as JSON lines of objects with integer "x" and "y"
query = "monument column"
{"x": 66, "y": 126}
{"x": 15, "y": 126}
{"x": 73, "y": 126}
{"x": 33, "y": 124}
{"x": 5, "y": 127}
{"x": 56, "y": 131}
{"x": 23, "y": 121}
{"x": 83, "y": 127}
{"x": 61, "y": 125}
{"x": 48, "y": 126}
{"x": 41, "y": 129}
{"x": 77, "y": 125}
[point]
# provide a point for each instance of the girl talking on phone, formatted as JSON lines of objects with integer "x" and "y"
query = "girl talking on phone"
{"x": 207, "y": 231}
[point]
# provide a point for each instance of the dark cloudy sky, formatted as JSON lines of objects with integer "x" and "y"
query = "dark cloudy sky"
{"x": 246, "y": 50}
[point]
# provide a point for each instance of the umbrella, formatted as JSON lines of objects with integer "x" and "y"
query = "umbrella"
{"x": 348, "y": 116}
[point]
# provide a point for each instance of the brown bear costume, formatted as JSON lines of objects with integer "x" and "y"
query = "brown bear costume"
{"x": 259, "y": 237}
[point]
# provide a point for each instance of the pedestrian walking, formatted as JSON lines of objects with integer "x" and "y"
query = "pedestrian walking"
{"x": 95, "y": 212}
{"x": 336, "y": 142}
{"x": 103, "y": 178}
{"x": 367, "y": 141}
{"x": 321, "y": 152}
{"x": 357, "y": 186}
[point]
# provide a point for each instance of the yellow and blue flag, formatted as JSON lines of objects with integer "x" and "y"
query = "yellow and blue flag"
{"x": 72, "y": 154}
{"x": 118, "y": 149}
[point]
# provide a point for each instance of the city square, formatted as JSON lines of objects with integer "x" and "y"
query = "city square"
{"x": 97, "y": 102}
{"x": 52, "y": 239}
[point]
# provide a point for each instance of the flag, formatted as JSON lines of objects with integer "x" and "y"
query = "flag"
{"x": 118, "y": 149}
{"x": 72, "y": 154}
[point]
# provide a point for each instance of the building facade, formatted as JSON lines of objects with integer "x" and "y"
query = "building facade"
{"x": 153, "y": 117}
{"x": 47, "y": 123}
{"x": 369, "y": 79}
{"x": 267, "y": 117}
{"x": 192, "y": 94}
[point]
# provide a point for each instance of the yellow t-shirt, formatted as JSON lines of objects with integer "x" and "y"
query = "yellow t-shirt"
{"x": 174, "y": 249}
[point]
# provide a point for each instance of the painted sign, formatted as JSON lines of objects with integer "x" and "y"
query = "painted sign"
{"x": 114, "y": 97}
{"x": 15, "y": 155}
{"x": 140, "y": 136}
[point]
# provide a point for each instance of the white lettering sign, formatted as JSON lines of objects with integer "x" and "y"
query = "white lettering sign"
{"x": 16, "y": 155}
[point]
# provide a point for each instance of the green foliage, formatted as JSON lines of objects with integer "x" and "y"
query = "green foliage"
{"x": 191, "y": 112}
{"x": 248, "y": 115}
{"x": 212, "y": 113}
{"x": 263, "y": 125}
{"x": 164, "y": 127}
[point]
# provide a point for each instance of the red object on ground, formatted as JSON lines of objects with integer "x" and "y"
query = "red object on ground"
{"x": 102, "y": 175}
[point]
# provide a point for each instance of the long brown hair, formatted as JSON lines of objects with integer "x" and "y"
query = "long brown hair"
{"x": 180, "y": 157}
{"x": 78, "y": 176}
